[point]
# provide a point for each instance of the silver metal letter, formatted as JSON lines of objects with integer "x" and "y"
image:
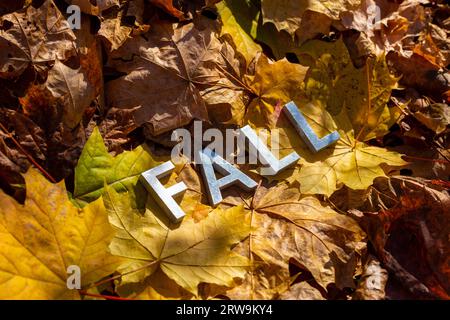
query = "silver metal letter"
{"x": 300, "y": 124}
{"x": 209, "y": 162}
{"x": 272, "y": 165}
{"x": 164, "y": 196}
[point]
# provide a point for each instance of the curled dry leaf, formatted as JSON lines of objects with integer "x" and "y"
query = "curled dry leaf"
{"x": 373, "y": 281}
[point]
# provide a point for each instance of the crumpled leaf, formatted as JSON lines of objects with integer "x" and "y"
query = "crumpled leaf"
{"x": 94, "y": 8}
{"x": 114, "y": 31}
{"x": 167, "y": 5}
{"x": 189, "y": 254}
{"x": 386, "y": 26}
{"x": 34, "y": 37}
{"x": 415, "y": 226}
{"x": 436, "y": 117}
{"x": 96, "y": 167}
{"x": 372, "y": 284}
{"x": 55, "y": 149}
{"x": 45, "y": 236}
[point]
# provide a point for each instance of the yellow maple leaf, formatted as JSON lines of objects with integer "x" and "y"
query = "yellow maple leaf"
{"x": 329, "y": 101}
{"x": 42, "y": 238}
{"x": 189, "y": 253}
{"x": 273, "y": 84}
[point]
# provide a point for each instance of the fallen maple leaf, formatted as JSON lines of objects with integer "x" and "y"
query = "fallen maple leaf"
{"x": 96, "y": 167}
{"x": 36, "y": 37}
{"x": 287, "y": 226}
{"x": 172, "y": 75}
{"x": 274, "y": 84}
{"x": 420, "y": 215}
{"x": 287, "y": 14}
{"x": 243, "y": 41}
{"x": 72, "y": 88}
{"x": 45, "y": 236}
{"x": 189, "y": 254}
{"x": 358, "y": 116}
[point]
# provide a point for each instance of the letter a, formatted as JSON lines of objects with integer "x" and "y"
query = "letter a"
{"x": 210, "y": 161}
{"x": 75, "y": 19}
{"x": 74, "y": 280}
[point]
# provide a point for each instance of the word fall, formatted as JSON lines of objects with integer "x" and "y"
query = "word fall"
{"x": 210, "y": 162}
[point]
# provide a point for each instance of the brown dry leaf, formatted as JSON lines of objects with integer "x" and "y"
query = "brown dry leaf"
{"x": 94, "y": 7}
{"x": 70, "y": 87}
{"x": 36, "y": 37}
{"x": 420, "y": 73}
{"x": 264, "y": 281}
{"x": 302, "y": 291}
{"x": 411, "y": 237}
{"x": 167, "y": 5}
{"x": 73, "y": 91}
{"x": 435, "y": 117}
{"x": 287, "y": 14}
{"x": 114, "y": 32}
{"x": 116, "y": 26}
{"x": 373, "y": 281}
{"x": 170, "y": 73}
{"x": 287, "y": 226}
{"x": 386, "y": 26}
{"x": 115, "y": 128}
{"x": 56, "y": 149}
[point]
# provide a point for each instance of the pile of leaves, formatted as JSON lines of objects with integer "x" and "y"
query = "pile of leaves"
{"x": 83, "y": 112}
